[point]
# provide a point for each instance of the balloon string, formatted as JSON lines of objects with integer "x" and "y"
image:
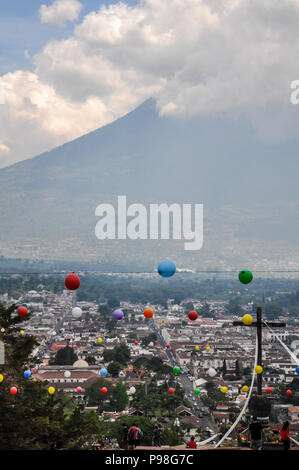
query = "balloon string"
{"x": 296, "y": 442}
{"x": 295, "y": 358}
{"x": 202, "y": 443}
{"x": 246, "y": 402}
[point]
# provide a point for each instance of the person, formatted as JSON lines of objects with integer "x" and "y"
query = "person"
{"x": 134, "y": 436}
{"x": 156, "y": 436}
{"x": 192, "y": 444}
{"x": 125, "y": 436}
{"x": 255, "y": 433}
{"x": 285, "y": 435}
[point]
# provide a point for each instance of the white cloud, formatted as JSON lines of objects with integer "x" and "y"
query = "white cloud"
{"x": 4, "y": 148}
{"x": 60, "y": 11}
{"x": 197, "y": 57}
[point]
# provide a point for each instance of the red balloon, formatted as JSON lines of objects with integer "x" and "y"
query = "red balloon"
{"x": 139, "y": 371}
{"x": 22, "y": 312}
{"x": 289, "y": 393}
{"x": 135, "y": 342}
{"x": 167, "y": 346}
{"x": 104, "y": 390}
{"x": 268, "y": 390}
{"x": 171, "y": 391}
{"x": 13, "y": 390}
{"x": 72, "y": 281}
{"x": 192, "y": 315}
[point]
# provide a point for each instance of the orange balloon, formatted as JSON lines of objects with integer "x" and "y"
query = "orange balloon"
{"x": 148, "y": 313}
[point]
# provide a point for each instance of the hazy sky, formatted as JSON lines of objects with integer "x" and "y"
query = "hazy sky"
{"x": 70, "y": 66}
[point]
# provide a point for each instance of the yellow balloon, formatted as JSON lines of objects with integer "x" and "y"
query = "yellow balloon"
{"x": 51, "y": 390}
{"x": 258, "y": 369}
{"x": 245, "y": 388}
{"x": 100, "y": 340}
{"x": 22, "y": 332}
{"x": 223, "y": 389}
{"x": 197, "y": 348}
{"x": 208, "y": 348}
{"x": 1, "y": 378}
{"x": 247, "y": 319}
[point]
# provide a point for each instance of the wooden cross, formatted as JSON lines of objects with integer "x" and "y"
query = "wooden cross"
{"x": 259, "y": 324}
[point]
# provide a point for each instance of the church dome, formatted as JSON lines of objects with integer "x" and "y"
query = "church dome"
{"x": 80, "y": 363}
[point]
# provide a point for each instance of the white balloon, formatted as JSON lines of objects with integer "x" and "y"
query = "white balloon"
{"x": 76, "y": 312}
{"x": 67, "y": 373}
{"x": 132, "y": 390}
{"x": 212, "y": 372}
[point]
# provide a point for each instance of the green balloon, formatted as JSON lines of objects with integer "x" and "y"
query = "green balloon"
{"x": 245, "y": 276}
{"x": 197, "y": 391}
{"x": 176, "y": 370}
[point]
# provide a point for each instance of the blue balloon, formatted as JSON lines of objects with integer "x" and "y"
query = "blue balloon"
{"x": 297, "y": 370}
{"x": 103, "y": 372}
{"x": 27, "y": 374}
{"x": 166, "y": 268}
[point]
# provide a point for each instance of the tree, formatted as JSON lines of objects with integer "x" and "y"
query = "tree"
{"x": 32, "y": 419}
{"x": 224, "y": 368}
{"x": 119, "y": 354}
{"x": 120, "y": 397}
{"x": 94, "y": 395}
{"x": 237, "y": 369}
{"x": 113, "y": 302}
{"x": 188, "y": 307}
{"x": 272, "y": 310}
{"x": 105, "y": 310}
{"x": 233, "y": 306}
{"x": 90, "y": 360}
{"x": 65, "y": 357}
{"x": 114, "y": 368}
{"x": 171, "y": 437}
{"x": 145, "y": 424}
{"x": 151, "y": 338}
{"x": 205, "y": 311}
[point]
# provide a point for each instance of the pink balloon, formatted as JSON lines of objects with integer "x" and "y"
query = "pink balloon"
{"x": 79, "y": 389}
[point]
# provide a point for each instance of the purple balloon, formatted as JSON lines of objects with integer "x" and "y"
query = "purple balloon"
{"x": 118, "y": 314}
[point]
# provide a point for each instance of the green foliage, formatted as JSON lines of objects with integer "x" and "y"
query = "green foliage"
{"x": 105, "y": 310}
{"x": 214, "y": 396}
{"x": 94, "y": 395}
{"x": 153, "y": 400}
{"x": 119, "y": 354}
{"x": 113, "y": 301}
{"x": 151, "y": 338}
{"x": 154, "y": 364}
{"x": 114, "y": 368}
{"x": 234, "y": 306}
{"x": 120, "y": 397}
{"x": 205, "y": 311}
{"x": 32, "y": 419}
{"x": 145, "y": 424}
{"x": 237, "y": 369}
{"x": 171, "y": 437}
{"x": 90, "y": 360}
{"x": 65, "y": 357}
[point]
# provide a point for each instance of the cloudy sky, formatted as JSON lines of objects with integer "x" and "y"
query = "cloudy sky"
{"x": 68, "y": 67}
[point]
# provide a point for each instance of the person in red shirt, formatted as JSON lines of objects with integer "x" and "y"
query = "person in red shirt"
{"x": 285, "y": 436}
{"x": 191, "y": 444}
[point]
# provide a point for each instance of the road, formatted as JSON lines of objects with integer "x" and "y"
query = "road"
{"x": 40, "y": 351}
{"x": 185, "y": 382}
